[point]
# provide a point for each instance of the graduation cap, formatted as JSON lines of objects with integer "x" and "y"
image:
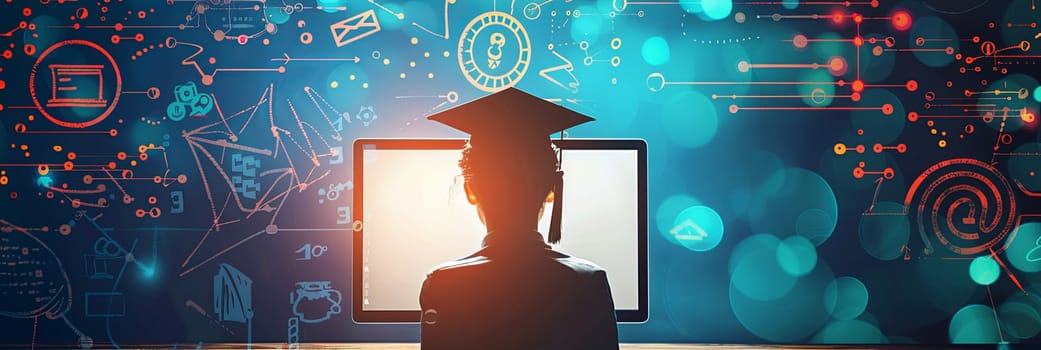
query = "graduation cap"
{"x": 514, "y": 120}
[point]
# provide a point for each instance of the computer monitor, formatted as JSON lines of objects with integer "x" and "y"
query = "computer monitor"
{"x": 410, "y": 199}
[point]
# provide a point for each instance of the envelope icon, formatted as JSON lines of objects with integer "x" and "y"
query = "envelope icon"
{"x": 361, "y": 25}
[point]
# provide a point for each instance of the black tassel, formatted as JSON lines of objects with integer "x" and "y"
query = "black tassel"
{"x": 558, "y": 207}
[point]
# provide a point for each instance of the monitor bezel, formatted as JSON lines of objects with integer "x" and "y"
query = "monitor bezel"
{"x": 640, "y": 315}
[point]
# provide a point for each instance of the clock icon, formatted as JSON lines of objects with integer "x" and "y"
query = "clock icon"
{"x": 494, "y": 51}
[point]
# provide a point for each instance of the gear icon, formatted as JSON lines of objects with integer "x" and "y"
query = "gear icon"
{"x": 366, "y": 115}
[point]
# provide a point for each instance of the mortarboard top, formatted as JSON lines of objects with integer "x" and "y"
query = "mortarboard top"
{"x": 510, "y": 117}
{"x": 513, "y": 119}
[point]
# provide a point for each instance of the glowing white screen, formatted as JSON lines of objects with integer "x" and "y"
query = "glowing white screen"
{"x": 416, "y": 217}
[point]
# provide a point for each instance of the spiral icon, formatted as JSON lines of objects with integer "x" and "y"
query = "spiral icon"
{"x": 967, "y": 204}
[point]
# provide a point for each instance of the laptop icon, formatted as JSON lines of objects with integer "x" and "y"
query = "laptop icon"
{"x": 77, "y": 85}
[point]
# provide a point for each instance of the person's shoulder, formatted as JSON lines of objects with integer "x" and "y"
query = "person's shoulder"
{"x": 458, "y": 265}
{"x": 580, "y": 266}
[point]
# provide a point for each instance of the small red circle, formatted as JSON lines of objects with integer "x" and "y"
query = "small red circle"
{"x": 118, "y": 27}
{"x": 837, "y": 17}
{"x": 855, "y": 97}
{"x": 858, "y": 86}
{"x": 911, "y": 85}
{"x": 912, "y": 117}
{"x": 901, "y": 148}
{"x": 858, "y": 173}
{"x": 901, "y": 20}
{"x": 877, "y": 148}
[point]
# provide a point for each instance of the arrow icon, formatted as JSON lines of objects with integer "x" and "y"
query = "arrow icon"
{"x": 44, "y": 181}
{"x": 286, "y": 59}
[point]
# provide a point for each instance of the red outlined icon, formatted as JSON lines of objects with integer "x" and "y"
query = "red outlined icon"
{"x": 75, "y": 86}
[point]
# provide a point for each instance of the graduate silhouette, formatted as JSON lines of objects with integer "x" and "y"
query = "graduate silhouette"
{"x": 515, "y": 292}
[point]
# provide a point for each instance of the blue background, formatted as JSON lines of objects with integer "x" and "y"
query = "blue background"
{"x": 797, "y": 259}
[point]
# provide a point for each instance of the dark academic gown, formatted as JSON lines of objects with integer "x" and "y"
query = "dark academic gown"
{"x": 517, "y": 293}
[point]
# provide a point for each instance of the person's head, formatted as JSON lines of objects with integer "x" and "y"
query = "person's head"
{"x": 509, "y": 187}
{"x": 509, "y": 167}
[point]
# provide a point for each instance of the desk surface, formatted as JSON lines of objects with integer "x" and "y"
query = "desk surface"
{"x": 415, "y": 346}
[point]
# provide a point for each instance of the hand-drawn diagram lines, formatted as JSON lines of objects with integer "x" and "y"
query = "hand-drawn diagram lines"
{"x": 207, "y": 77}
{"x": 447, "y": 29}
{"x": 298, "y": 139}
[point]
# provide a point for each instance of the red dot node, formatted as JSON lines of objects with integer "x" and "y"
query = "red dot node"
{"x": 858, "y": 86}
{"x": 837, "y": 65}
{"x": 901, "y": 20}
{"x": 911, "y": 85}
{"x": 858, "y": 173}
{"x": 858, "y": 41}
{"x": 800, "y": 41}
